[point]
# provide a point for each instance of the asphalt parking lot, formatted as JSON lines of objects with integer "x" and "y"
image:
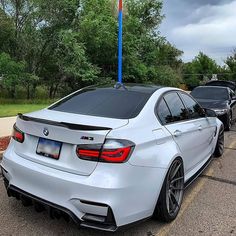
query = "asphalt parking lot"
{"x": 209, "y": 208}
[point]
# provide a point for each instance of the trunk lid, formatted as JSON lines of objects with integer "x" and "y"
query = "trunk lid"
{"x": 68, "y": 129}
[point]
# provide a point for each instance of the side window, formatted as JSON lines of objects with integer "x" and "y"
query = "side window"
{"x": 194, "y": 109}
{"x": 164, "y": 112}
{"x": 176, "y": 107}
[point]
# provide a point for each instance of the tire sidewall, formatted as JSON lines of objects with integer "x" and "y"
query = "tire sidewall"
{"x": 162, "y": 198}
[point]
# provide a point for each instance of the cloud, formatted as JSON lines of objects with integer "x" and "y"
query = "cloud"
{"x": 208, "y": 26}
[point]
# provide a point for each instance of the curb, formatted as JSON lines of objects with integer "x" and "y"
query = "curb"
{"x": 1, "y": 152}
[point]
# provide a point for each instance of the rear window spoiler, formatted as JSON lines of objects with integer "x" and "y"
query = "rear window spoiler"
{"x": 63, "y": 124}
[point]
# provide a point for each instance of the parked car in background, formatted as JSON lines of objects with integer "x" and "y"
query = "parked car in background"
{"x": 110, "y": 156}
{"x": 222, "y": 83}
{"x": 220, "y": 99}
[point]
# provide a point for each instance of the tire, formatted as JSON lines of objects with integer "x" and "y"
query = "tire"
{"x": 171, "y": 195}
{"x": 228, "y": 124}
{"x": 219, "y": 150}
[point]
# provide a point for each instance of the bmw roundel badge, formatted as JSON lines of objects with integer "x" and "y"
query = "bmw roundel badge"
{"x": 45, "y": 132}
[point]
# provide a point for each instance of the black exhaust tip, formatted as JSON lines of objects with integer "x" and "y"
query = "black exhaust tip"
{"x": 26, "y": 201}
{"x": 17, "y": 196}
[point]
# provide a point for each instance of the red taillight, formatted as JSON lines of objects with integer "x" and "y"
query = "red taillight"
{"x": 18, "y": 135}
{"x": 113, "y": 151}
{"x": 87, "y": 154}
{"x": 116, "y": 156}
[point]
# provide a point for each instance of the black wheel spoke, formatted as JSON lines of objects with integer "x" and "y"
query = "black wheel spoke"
{"x": 175, "y": 187}
{"x": 173, "y": 168}
{"x": 176, "y": 179}
{"x": 176, "y": 170}
{"x": 168, "y": 202}
{"x": 174, "y": 198}
{"x": 172, "y": 206}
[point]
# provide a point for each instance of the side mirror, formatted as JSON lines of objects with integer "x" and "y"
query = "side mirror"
{"x": 210, "y": 113}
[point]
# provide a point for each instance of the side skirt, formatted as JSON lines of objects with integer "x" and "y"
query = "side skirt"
{"x": 198, "y": 173}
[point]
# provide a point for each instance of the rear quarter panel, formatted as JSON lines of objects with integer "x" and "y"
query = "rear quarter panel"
{"x": 155, "y": 146}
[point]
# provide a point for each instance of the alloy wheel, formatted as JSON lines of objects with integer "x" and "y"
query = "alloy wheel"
{"x": 230, "y": 122}
{"x": 175, "y": 187}
{"x": 221, "y": 142}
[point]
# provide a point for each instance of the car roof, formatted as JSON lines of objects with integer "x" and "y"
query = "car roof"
{"x": 133, "y": 87}
{"x": 221, "y": 81}
{"x": 118, "y": 102}
{"x": 213, "y": 87}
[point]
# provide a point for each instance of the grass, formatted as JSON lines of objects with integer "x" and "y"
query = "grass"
{"x": 6, "y": 101}
{"x": 11, "y": 107}
{"x": 7, "y": 110}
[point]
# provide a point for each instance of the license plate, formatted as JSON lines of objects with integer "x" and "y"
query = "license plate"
{"x": 49, "y": 148}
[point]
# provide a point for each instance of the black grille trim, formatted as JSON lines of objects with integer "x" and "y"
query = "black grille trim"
{"x": 14, "y": 191}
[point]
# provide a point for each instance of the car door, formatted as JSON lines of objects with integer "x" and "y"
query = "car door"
{"x": 206, "y": 126}
{"x": 185, "y": 131}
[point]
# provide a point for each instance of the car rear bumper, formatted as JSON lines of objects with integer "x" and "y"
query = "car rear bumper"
{"x": 106, "y": 223}
{"x": 113, "y": 196}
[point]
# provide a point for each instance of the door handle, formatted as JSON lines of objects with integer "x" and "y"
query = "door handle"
{"x": 200, "y": 128}
{"x": 177, "y": 133}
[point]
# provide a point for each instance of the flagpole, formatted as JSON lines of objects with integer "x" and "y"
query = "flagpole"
{"x": 120, "y": 53}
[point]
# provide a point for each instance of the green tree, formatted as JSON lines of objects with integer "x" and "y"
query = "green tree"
{"x": 98, "y": 32}
{"x": 67, "y": 44}
{"x": 71, "y": 66}
{"x": 230, "y": 69}
{"x": 165, "y": 75}
{"x": 6, "y": 33}
{"x": 13, "y": 74}
{"x": 200, "y": 69}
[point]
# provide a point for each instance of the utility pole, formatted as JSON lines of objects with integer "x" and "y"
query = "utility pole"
{"x": 120, "y": 43}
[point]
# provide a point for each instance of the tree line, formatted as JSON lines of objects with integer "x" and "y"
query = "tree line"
{"x": 58, "y": 46}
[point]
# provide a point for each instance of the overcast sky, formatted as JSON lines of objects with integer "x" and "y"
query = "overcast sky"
{"x": 201, "y": 25}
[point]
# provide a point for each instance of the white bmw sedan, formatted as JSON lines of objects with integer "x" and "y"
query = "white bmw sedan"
{"x": 111, "y": 156}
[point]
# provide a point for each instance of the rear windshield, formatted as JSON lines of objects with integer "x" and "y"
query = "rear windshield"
{"x": 111, "y": 103}
{"x": 210, "y": 93}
